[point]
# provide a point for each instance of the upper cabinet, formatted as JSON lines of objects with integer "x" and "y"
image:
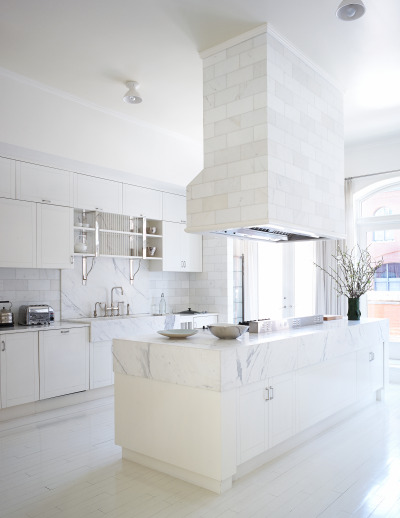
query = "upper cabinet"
{"x": 142, "y": 202}
{"x": 55, "y": 245}
{"x": 93, "y": 193}
{"x": 182, "y": 252}
{"x": 44, "y": 184}
{"x": 7, "y": 175}
{"x": 174, "y": 207}
{"x": 18, "y": 234}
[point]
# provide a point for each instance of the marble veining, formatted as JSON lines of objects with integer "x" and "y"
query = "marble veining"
{"x": 204, "y": 361}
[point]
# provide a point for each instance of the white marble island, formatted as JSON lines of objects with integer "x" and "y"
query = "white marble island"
{"x": 208, "y": 410}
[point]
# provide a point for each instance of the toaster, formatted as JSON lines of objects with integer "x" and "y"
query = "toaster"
{"x": 35, "y": 314}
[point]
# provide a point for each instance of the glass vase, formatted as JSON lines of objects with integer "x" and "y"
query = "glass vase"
{"x": 353, "y": 312}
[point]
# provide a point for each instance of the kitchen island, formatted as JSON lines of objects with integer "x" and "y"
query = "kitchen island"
{"x": 207, "y": 410}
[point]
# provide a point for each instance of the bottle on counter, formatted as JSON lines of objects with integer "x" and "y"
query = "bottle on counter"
{"x": 163, "y": 305}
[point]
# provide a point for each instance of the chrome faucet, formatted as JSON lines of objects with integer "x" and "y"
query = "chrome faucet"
{"x": 112, "y": 307}
{"x": 95, "y": 308}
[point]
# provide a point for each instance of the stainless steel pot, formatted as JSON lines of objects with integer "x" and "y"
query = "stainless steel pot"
{"x": 6, "y": 315}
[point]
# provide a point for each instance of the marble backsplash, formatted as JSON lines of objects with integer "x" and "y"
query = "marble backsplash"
{"x": 143, "y": 296}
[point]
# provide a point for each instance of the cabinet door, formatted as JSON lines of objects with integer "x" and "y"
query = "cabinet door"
{"x": 281, "y": 408}
{"x": 174, "y": 207}
{"x": 18, "y": 234}
{"x": 369, "y": 370}
{"x": 324, "y": 389}
{"x": 252, "y": 421}
{"x": 44, "y": 184}
{"x": 55, "y": 243}
{"x": 172, "y": 247}
{"x": 101, "y": 364}
{"x": 19, "y": 368}
{"x": 182, "y": 252}
{"x": 97, "y": 194}
{"x": 7, "y": 175}
{"x": 192, "y": 251}
{"x": 142, "y": 202}
{"x": 63, "y": 361}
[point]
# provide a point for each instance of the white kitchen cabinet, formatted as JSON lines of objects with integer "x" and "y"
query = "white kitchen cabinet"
{"x": 93, "y": 193}
{"x": 55, "y": 236}
{"x": 182, "y": 252}
{"x": 63, "y": 361}
{"x": 266, "y": 415}
{"x": 19, "y": 368}
{"x": 101, "y": 364}
{"x": 324, "y": 389}
{"x": 18, "y": 234}
{"x": 174, "y": 207}
{"x": 369, "y": 370}
{"x": 44, "y": 184}
{"x": 7, "y": 175}
{"x": 142, "y": 202}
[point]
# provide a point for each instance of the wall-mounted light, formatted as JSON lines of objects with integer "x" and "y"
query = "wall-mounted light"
{"x": 350, "y": 10}
{"x": 132, "y": 96}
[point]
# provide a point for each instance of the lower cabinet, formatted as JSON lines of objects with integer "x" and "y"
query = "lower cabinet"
{"x": 369, "y": 370}
{"x": 19, "y": 371}
{"x": 101, "y": 364}
{"x": 265, "y": 415}
{"x": 64, "y": 361}
{"x": 323, "y": 389}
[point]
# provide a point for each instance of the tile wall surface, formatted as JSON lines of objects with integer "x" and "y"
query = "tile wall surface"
{"x": 273, "y": 142}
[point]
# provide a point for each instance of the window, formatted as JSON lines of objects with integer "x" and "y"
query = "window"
{"x": 383, "y": 235}
{"x": 387, "y": 277}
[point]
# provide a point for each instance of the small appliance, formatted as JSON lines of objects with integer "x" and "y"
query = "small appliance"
{"x": 35, "y": 314}
{"x": 6, "y": 315}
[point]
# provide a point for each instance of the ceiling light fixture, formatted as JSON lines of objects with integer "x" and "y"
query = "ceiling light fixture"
{"x": 350, "y": 10}
{"x": 131, "y": 96}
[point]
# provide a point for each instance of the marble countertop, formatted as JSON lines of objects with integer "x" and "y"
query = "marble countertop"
{"x": 29, "y": 329}
{"x": 204, "y": 361}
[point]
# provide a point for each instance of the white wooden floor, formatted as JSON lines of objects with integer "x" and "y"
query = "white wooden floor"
{"x": 64, "y": 464}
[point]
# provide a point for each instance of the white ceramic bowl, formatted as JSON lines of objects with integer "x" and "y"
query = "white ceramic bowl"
{"x": 227, "y": 331}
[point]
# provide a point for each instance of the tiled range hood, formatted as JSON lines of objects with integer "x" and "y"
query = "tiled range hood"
{"x": 273, "y": 144}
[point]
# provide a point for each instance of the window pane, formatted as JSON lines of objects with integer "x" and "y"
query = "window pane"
{"x": 270, "y": 281}
{"x": 304, "y": 278}
{"x": 382, "y": 203}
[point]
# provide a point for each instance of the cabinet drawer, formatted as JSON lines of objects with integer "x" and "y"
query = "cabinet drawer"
{"x": 43, "y": 184}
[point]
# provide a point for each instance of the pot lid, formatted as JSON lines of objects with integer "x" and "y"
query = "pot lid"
{"x": 188, "y": 311}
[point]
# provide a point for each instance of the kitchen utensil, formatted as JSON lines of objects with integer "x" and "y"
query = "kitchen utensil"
{"x": 6, "y": 315}
{"x": 227, "y": 331}
{"x": 188, "y": 312}
{"x": 178, "y": 333}
{"x": 151, "y": 250}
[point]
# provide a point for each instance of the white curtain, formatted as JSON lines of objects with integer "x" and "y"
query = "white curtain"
{"x": 250, "y": 280}
{"x": 328, "y": 302}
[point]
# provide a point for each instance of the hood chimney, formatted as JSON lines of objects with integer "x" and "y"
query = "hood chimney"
{"x": 273, "y": 144}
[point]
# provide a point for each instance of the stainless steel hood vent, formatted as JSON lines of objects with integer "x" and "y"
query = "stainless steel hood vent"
{"x": 273, "y": 145}
{"x": 267, "y": 234}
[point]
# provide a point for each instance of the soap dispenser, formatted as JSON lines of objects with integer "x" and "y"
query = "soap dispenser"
{"x": 163, "y": 305}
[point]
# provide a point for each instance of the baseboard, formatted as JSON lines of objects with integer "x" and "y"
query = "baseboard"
{"x": 44, "y": 405}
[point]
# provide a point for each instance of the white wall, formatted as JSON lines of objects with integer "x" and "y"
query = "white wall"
{"x": 38, "y": 118}
{"x": 372, "y": 157}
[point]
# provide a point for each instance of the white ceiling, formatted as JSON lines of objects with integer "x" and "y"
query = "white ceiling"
{"x": 89, "y": 48}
